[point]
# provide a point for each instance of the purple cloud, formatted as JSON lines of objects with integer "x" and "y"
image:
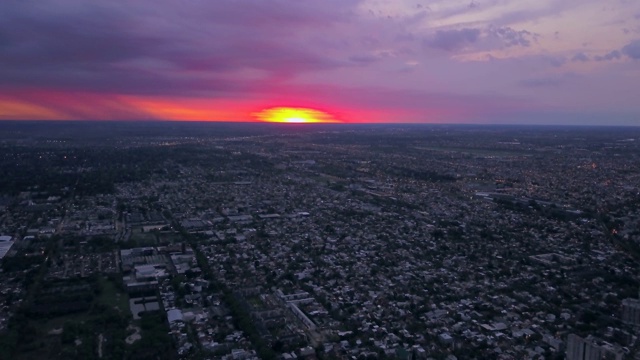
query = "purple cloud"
{"x": 550, "y": 81}
{"x": 511, "y": 37}
{"x": 613, "y": 55}
{"x": 363, "y": 59}
{"x": 126, "y": 48}
{"x": 541, "y": 82}
{"x": 555, "y": 61}
{"x": 632, "y": 50}
{"x": 582, "y": 57}
{"x": 452, "y": 40}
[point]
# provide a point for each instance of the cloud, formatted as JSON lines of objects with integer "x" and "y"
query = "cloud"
{"x": 149, "y": 47}
{"x": 613, "y": 55}
{"x": 549, "y": 81}
{"x": 363, "y": 59}
{"x": 541, "y": 82}
{"x": 452, "y": 40}
{"x": 403, "y": 100}
{"x": 320, "y": 52}
{"x": 582, "y": 57}
{"x": 490, "y": 39}
{"x": 555, "y": 61}
{"x": 73, "y": 105}
{"x": 511, "y": 37}
{"x": 632, "y": 50}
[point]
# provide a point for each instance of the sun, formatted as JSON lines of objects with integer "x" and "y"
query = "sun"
{"x": 296, "y": 115}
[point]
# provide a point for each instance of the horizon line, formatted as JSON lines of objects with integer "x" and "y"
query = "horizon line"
{"x": 343, "y": 123}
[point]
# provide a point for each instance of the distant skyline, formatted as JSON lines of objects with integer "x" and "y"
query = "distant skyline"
{"x": 492, "y": 61}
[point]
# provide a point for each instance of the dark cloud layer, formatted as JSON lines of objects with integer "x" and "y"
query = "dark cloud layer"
{"x": 115, "y": 47}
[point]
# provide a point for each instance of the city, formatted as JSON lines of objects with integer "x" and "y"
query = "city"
{"x": 258, "y": 241}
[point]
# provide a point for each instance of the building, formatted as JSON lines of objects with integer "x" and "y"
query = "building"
{"x": 5, "y": 245}
{"x": 631, "y": 311}
{"x": 591, "y": 348}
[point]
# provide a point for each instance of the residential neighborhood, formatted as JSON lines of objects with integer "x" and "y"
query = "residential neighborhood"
{"x": 373, "y": 243}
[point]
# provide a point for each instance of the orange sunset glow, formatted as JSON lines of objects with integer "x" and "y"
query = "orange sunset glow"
{"x": 294, "y": 115}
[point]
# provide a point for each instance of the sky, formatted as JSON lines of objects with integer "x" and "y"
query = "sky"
{"x": 440, "y": 61}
